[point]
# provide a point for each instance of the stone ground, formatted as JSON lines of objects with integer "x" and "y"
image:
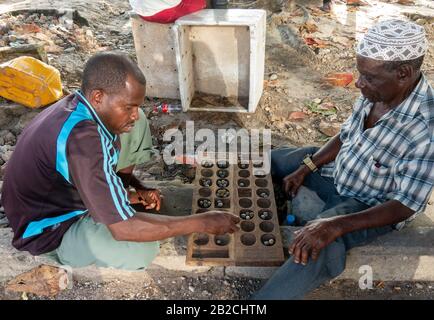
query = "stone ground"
{"x": 303, "y": 46}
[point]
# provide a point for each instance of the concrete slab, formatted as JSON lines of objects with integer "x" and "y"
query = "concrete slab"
{"x": 406, "y": 255}
{"x": 425, "y": 219}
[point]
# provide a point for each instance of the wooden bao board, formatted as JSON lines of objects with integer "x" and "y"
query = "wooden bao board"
{"x": 245, "y": 247}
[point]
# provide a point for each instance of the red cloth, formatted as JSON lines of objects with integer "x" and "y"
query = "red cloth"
{"x": 182, "y": 9}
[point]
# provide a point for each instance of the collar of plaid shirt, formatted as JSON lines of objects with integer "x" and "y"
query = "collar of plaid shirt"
{"x": 406, "y": 110}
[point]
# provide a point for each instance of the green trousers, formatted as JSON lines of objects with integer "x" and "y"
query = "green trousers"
{"x": 87, "y": 242}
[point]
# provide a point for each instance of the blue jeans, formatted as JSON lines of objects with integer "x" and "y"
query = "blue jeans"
{"x": 292, "y": 280}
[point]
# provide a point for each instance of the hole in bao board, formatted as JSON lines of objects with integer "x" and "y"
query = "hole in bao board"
{"x": 243, "y": 193}
{"x": 245, "y": 203}
{"x": 266, "y": 226}
{"x": 244, "y": 173}
{"x": 261, "y": 183}
{"x": 263, "y": 193}
{"x": 206, "y": 173}
{"x": 201, "y": 239}
{"x": 264, "y": 203}
{"x": 243, "y": 183}
{"x": 247, "y": 226}
{"x": 268, "y": 240}
{"x": 265, "y": 214}
{"x": 248, "y": 239}
{"x": 222, "y": 240}
{"x": 204, "y": 192}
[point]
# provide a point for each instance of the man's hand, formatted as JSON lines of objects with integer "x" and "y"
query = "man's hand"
{"x": 219, "y": 222}
{"x": 310, "y": 240}
{"x": 293, "y": 181}
{"x": 150, "y": 198}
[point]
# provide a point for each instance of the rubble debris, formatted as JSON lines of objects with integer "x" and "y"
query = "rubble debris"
{"x": 329, "y": 129}
{"x": 33, "y": 50}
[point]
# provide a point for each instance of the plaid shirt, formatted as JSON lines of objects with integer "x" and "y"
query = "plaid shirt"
{"x": 394, "y": 160}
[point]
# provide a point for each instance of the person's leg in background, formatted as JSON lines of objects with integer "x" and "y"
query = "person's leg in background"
{"x": 136, "y": 145}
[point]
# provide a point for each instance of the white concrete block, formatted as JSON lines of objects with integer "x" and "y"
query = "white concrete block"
{"x": 155, "y": 50}
{"x": 220, "y": 58}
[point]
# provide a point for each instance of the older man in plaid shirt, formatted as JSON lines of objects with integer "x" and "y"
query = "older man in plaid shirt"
{"x": 374, "y": 176}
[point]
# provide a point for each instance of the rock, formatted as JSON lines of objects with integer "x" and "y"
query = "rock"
{"x": 4, "y": 222}
{"x": 44, "y": 280}
{"x": 34, "y": 50}
{"x": 24, "y": 121}
{"x": 9, "y": 139}
{"x": 155, "y": 170}
{"x": 191, "y": 288}
{"x": 12, "y": 38}
{"x": 69, "y": 50}
{"x": 2, "y": 170}
{"x": 329, "y": 129}
{"x": 273, "y": 76}
{"x": 59, "y": 42}
{"x": 317, "y": 101}
{"x": 89, "y": 33}
{"x": 419, "y": 286}
{"x": 5, "y": 153}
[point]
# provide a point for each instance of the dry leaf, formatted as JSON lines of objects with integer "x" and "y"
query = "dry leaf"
{"x": 315, "y": 42}
{"x": 339, "y": 79}
{"x": 308, "y": 27}
{"x": 44, "y": 280}
{"x": 406, "y": 2}
{"x": 297, "y": 116}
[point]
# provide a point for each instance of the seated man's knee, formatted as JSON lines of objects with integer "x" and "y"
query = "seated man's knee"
{"x": 139, "y": 255}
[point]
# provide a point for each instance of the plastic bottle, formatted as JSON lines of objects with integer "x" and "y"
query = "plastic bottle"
{"x": 290, "y": 220}
{"x": 167, "y": 108}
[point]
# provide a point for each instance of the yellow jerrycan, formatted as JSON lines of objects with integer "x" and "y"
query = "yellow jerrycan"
{"x": 30, "y": 82}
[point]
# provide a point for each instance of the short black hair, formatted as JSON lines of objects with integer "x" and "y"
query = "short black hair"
{"x": 108, "y": 71}
{"x": 393, "y": 65}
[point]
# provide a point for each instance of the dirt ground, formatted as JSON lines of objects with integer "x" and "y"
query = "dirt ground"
{"x": 304, "y": 45}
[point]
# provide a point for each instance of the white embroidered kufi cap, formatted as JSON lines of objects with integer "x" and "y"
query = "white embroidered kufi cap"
{"x": 393, "y": 40}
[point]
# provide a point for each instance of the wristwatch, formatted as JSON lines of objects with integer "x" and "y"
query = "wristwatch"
{"x": 309, "y": 163}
